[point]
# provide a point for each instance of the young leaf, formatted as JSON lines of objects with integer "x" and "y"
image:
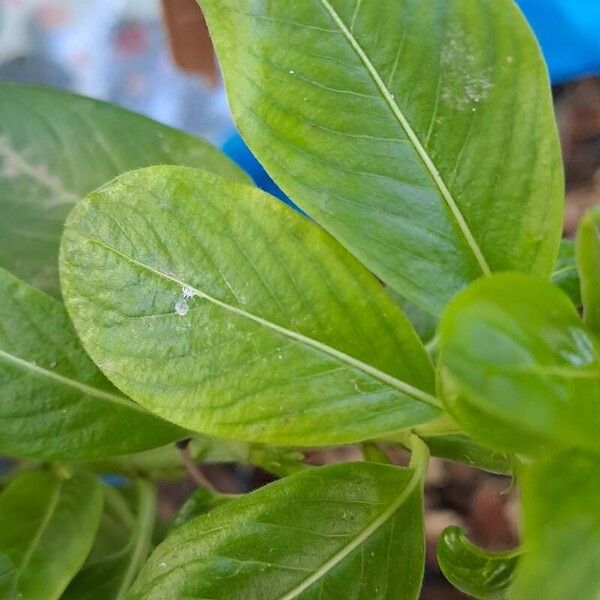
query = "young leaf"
{"x": 70, "y": 146}
{"x": 565, "y": 274}
{"x": 518, "y": 368}
{"x": 55, "y": 402}
{"x": 47, "y": 526}
{"x": 420, "y": 134}
{"x": 473, "y": 571}
{"x": 121, "y": 547}
{"x": 344, "y": 531}
{"x": 561, "y": 529}
{"x": 200, "y": 502}
{"x": 588, "y": 261}
{"x": 233, "y": 315}
{"x": 462, "y": 449}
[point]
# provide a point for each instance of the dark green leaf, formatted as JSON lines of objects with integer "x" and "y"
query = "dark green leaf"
{"x": 231, "y": 314}
{"x": 561, "y": 529}
{"x": 565, "y": 274}
{"x": 352, "y": 531}
{"x": 47, "y": 528}
{"x": 120, "y": 549}
{"x": 55, "y": 402}
{"x": 588, "y": 262}
{"x": 473, "y": 571}
{"x": 420, "y": 134}
{"x": 518, "y": 368}
{"x": 54, "y": 149}
{"x": 8, "y": 579}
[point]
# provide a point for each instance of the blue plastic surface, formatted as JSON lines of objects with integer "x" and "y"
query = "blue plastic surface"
{"x": 569, "y": 34}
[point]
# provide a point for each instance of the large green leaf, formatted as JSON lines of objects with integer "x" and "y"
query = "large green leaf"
{"x": 518, "y": 368}
{"x": 47, "y": 528}
{"x": 478, "y": 573}
{"x": 121, "y": 547}
{"x": 54, "y": 149}
{"x": 231, "y": 314}
{"x": 420, "y": 133}
{"x": 352, "y": 531}
{"x": 561, "y": 529}
{"x": 55, "y": 402}
{"x": 588, "y": 261}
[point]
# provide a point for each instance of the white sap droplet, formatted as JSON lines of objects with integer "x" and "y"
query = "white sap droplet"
{"x": 181, "y": 307}
{"x": 188, "y": 292}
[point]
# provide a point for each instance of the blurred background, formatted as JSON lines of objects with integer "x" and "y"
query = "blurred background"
{"x": 155, "y": 58}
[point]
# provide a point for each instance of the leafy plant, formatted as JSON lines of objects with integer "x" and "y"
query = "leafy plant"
{"x": 197, "y": 310}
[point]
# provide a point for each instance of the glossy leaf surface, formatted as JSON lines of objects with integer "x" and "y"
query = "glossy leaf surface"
{"x": 352, "y": 531}
{"x": 588, "y": 261}
{"x": 473, "y": 571}
{"x": 420, "y": 133}
{"x": 54, "y": 149}
{"x": 561, "y": 529}
{"x": 47, "y": 527}
{"x": 121, "y": 547}
{"x": 518, "y": 368}
{"x": 230, "y": 314}
{"x": 55, "y": 402}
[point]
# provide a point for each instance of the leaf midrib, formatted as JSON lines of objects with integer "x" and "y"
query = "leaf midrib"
{"x": 386, "y": 378}
{"x": 343, "y": 552}
{"x": 52, "y": 504}
{"x": 72, "y": 383}
{"x": 414, "y": 140}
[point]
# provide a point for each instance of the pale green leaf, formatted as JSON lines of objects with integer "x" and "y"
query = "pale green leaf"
{"x": 55, "y": 148}
{"x": 561, "y": 529}
{"x": 47, "y": 528}
{"x": 121, "y": 547}
{"x": 55, "y": 402}
{"x": 481, "y": 574}
{"x": 588, "y": 261}
{"x": 230, "y": 314}
{"x": 419, "y": 133}
{"x": 518, "y": 368}
{"x": 352, "y": 531}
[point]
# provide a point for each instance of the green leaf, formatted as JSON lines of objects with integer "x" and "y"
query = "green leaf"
{"x": 8, "y": 579}
{"x": 462, "y": 449}
{"x": 565, "y": 274}
{"x": 47, "y": 526}
{"x": 55, "y": 402}
{"x": 561, "y": 529}
{"x": 69, "y": 146}
{"x": 420, "y": 134}
{"x": 120, "y": 549}
{"x": 425, "y": 324}
{"x": 473, "y": 571}
{"x": 344, "y": 531}
{"x": 199, "y": 503}
{"x": 518, "y": 369}
{"x": 588, "y": 262}
{"x": 231, "y": 314}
